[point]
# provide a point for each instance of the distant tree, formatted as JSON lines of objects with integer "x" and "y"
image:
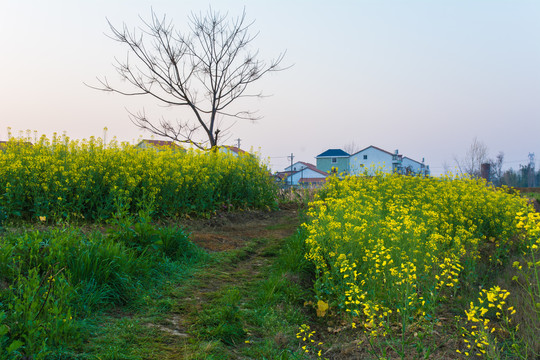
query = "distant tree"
{"x": 510, "y": 178}
{"x": 496, "y": 169}
{"x": 476, "y": 155}
{"x": 519, "y": 178}
{"x": 204, "y": 70}
{"x": 351, "y": 148}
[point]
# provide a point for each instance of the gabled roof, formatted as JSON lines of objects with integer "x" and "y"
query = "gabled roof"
{"x": 314, "y": 168}
{"x": 408, "y": 158}
{"x": 377, "y": 148}
{"x": 307, "y": 165}
{"x": 333, "y": 153}
{"x": 310, "y": 167}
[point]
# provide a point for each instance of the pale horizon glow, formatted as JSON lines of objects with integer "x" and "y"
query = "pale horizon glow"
{"x": 423, "y": 77}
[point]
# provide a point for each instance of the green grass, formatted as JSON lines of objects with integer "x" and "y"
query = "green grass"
{"x": 245, "y": 303}
{"x": 532, "y": 195}
{"x": 255, "y": 315}
{"x": 57, "y": 286}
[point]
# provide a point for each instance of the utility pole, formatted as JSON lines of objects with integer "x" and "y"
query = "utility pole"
{"x": 531, "y": 182}
{"x": 291, "y": 157}
{"x": 238, "y": 142}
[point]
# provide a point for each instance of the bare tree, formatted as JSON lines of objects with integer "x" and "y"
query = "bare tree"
{"x": 351, "y": 148}
{"x": 476, "y": 155}
{"x": 496, "y": 169}
{"x": 204, "y": 70}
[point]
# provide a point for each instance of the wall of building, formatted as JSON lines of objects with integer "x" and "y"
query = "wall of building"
{"x": 306, "y": 173}
{"x": 325, "y": 164}
{"x": 296, "y": 167}
{"x": 377, "y": 160}
{"x": 414, "y": 166}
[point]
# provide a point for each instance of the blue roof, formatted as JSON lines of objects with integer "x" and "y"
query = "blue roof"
{"x": 333, "y": 153}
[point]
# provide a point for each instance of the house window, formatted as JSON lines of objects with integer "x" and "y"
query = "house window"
{"x": 334, "y": 160}
{"x": 365, "y": 157}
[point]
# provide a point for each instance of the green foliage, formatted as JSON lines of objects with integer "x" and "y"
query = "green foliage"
{"x": 70, "y": 180}
{"x": 292, "y": 255}
{"x": 138, "y": 233}
{"x": 39, "y": 315}
{"x": 532, "y": 195}
{"x": 9, "y": 348}
{"x": 223, "y": 320}
{"x": 54, "y": 278}
{"x": 2, "y": 218}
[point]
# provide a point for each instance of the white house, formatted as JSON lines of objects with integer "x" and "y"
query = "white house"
{"x": 302, "y": 173}
{"x": 231, "y": 150}
{"x": 413, "y": 167}
{"x": 372, "y": 159}
{"x": 297, "y": 166}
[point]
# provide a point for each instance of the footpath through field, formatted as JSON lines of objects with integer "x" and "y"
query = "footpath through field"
{"x": 211, "y": 319}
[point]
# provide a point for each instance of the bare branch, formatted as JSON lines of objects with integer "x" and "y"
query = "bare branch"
{"x": 205, "y": 70}
{"x": 476, "y": 155}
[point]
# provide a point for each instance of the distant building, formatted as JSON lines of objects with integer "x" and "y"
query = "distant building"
{"x": 232, "y": 150}
{"x": 159, "y": 145}
{"x": 370, "y": 160}
{"x": 335, "y": 160}
{"x": 413, "y": 167}
{"x": 303, "y": 174}
{"x": 373, "y": 159}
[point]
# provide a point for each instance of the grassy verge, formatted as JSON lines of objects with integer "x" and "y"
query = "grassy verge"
{"x": 245, "y": 303}
{"x": 59, "y": 286}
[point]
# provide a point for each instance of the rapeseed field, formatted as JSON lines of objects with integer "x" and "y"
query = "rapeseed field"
{"x": 393, "y": 253}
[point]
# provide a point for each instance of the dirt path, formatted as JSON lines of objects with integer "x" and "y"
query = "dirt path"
{"x": 247, "y": 244}
{"x": 231, "y": 231}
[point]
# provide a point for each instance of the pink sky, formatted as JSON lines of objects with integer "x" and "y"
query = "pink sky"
{"x": 423, "y": 77}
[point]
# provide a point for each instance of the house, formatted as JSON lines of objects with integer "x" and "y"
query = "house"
{"x": 297, "y": 166}
{"x": 232, "y": 150}
{"x": 333, "y": 160}
{"x": 159, "y": 145}
{"x": 371, "y": 160}
{"x": 413, "y": 167}
{"x": 302, "y": 173}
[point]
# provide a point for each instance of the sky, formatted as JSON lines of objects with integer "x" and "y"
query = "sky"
{"x": 424, "y": 77}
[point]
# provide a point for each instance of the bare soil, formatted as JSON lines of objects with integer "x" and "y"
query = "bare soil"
{"x": 228, "y": 231}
